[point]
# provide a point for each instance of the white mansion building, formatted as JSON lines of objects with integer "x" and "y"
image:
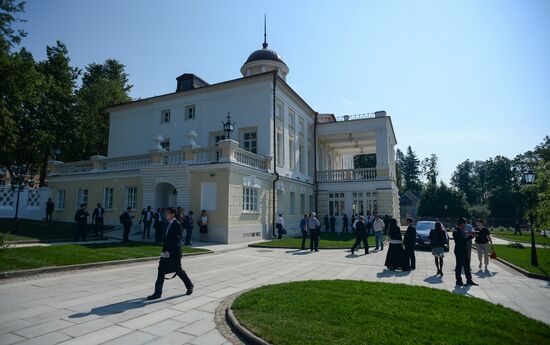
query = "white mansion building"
{"x": 283, "y": 157}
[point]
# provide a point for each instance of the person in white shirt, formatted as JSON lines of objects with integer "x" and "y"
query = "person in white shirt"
{"x": 203, "y": 224}
{"x": 314, "y": 227}
{"x": 379, "y": 232}
{"x": 280, "y": 225}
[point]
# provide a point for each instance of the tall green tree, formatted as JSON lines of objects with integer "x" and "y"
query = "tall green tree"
{"x": 59, "y": 117}
{"x": 20, "y": 121}
{"x": 434, "y": 198}
{"x": 464, "y": 179}
{"x": 429, "y": 168}
{"x": 399, "y": 162}
{"x": 411, "y": 171}
{"x": 364, "y": 161}
{"x": 102, "y": 85}
{"x": 538, "y": 195}
{"x": 9, "y": 9}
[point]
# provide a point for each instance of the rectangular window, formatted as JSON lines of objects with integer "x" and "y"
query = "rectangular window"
{"x": 131, "y": 197}
{"x": 291, "y": 120}
{"x": 250, "y": 199}
{"x": 165, "y": 145}
{"x": 280, "y": 201}
{"x": 309, "y": 159}
{"x": 302, "y": 204}
{"x": 311, "y": 203}
{"x": 336, "y": 204}
{"x": 250, "y": 142}
{"x": 280, "y": 148}
{"x": 292, "y": 203}
{"x": 61, "y": 199}
{"x": 292, "y": 153}
{"x": 190, "y": 112}
{"x": 108, "y": 198}
{"x": 165, "y": 116}
{"x": 81, "y": 197}
{"x": 301, "y": 145}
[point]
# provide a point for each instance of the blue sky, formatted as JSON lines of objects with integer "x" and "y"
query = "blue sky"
{"x": 462, "y": 79}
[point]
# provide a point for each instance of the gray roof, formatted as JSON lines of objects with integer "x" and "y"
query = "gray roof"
{"x": 264, "y": 54}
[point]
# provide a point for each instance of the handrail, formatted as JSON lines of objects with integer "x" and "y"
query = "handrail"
{"x": 364, "y": 174}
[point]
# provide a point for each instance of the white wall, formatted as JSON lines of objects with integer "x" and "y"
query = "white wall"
{"x": 132, "y": 129}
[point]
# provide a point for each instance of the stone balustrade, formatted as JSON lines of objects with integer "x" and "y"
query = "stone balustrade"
{"x": 225, "y": 151}
{"x": 367, "y": 174}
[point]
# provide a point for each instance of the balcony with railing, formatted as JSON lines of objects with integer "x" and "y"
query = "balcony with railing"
{"x": 368, "y": 174}
{"x": 224, "y": 152}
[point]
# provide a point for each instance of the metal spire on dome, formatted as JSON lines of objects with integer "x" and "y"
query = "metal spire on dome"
{"x": 264, "y": 45}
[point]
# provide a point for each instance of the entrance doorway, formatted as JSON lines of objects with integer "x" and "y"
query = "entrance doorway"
{"x": 165, "y": 195}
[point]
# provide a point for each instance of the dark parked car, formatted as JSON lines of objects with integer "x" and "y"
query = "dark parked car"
{"x": 423, "y": 229}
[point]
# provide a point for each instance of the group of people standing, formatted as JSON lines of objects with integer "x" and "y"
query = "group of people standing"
{"x": 148, "y": 218}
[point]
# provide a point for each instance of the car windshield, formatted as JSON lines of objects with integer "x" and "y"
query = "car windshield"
{"x": 424, "y": 226}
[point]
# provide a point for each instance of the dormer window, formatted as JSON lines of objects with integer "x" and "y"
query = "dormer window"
{"x": 165, "y": 116}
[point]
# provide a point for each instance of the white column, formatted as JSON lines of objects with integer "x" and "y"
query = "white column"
{"x": 382, "y": 154}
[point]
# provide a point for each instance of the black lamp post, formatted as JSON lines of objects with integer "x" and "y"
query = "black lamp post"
{"x": 17, "y": 185}
{"x": 529, "y": 177}
{"x": 228, "y": 126}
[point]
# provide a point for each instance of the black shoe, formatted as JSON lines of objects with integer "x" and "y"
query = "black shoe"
{"x": 190, "y": 290}
{"x": 459, "y": 283}
{"x": 471, "y": 283}
{"x": 366, "y": 253}
{"x": 316, "y": 250}
{"x": 153, "y": 296}
{"x": 352, "y": 252}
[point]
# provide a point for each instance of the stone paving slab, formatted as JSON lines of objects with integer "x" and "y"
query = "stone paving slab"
{"x": 108, "y": 305}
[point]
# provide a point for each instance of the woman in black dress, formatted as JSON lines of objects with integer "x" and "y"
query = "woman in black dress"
{"x": 396, "y": 254}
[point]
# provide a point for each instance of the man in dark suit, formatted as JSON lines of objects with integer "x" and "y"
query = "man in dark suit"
{"x": 97, "y": 219}
{"x": 409, "y": 242}
{"x": 170, "y": 259}
{"x": 345, "y": 223}
{"x": 126, "y": 221}
{"x": 460, "y": 237}
{"x": 147, "y": 217}
{"x": 360, "y": 235}
{"x": 49, "y": 209}
{"x": 188, "y": 227}
{"x": 81, "y": 219}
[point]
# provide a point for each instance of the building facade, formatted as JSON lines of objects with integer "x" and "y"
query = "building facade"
{"x": 282, "y": 157}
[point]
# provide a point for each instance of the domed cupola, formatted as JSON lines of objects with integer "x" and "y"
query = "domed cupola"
{"x": 264, "y": 60}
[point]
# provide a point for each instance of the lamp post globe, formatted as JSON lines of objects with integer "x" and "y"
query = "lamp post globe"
{"x": 529, "y": 177}
{"x": 228, "y": 126}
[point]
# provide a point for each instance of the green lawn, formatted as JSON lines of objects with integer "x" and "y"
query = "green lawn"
{"x": 61, "y": 255}
{"x": 526, "y": 238}
{"x": 40, "y": 230}
{"x": 352, "y": 312}
{"x": 327, "y": 240}
{"x": 522, "y": 258}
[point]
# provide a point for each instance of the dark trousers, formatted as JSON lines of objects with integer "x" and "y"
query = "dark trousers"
{"x": 409, "y": 254}
{"x": 158, "y": 234}
{"x": 188, "y": 233}
{"x": 462, "y": 262}
{"x": 333, "y": 228}
{"x": 314, "y": 239}
{"x": 80, "y": 232}
{"x": 146, "y": 228}
{"x": 49, "y": 216}
{"x": 518, "y": 230}
{"x": 160, "y": 280}
{"x": 98, "y": 227}
{"x": 358, "y": 241}
{"x": 304, "y": 237}
{"x": 126, "y": 233}
{"x": 279, "y": 230}
{"x": 345, "y": 228}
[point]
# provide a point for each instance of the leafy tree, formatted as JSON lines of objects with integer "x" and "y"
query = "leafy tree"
{"x": 464, "y": 179}
{"x": 8, "y": 16}
{"x": 434, "y": 198}
{"x": 429, "y": 168}
{"x": 58, "y": 103}
{"x": 411, "y": 170}
{"x": 538, "y": 194}
{"x": 20, "y": 126}
{"x": 102, "y": 85}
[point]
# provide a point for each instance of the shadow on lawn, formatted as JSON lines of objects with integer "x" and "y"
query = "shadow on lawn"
{"x": 120, "y": 307}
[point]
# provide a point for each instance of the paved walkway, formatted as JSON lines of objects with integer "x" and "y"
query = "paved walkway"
{"x": 108, "y": 306}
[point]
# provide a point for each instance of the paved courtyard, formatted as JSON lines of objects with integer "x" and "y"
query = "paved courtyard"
{"x": 108, "y": 306}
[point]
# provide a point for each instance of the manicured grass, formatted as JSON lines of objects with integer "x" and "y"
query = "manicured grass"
{"x": 522, "y": 258}
{"x": 40, "y": 230}
{"x": 327, "y": 240}
{"x": 526, "y": 238}
{"x": 61, "y": 255}
{"x": 353, "y": 312}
